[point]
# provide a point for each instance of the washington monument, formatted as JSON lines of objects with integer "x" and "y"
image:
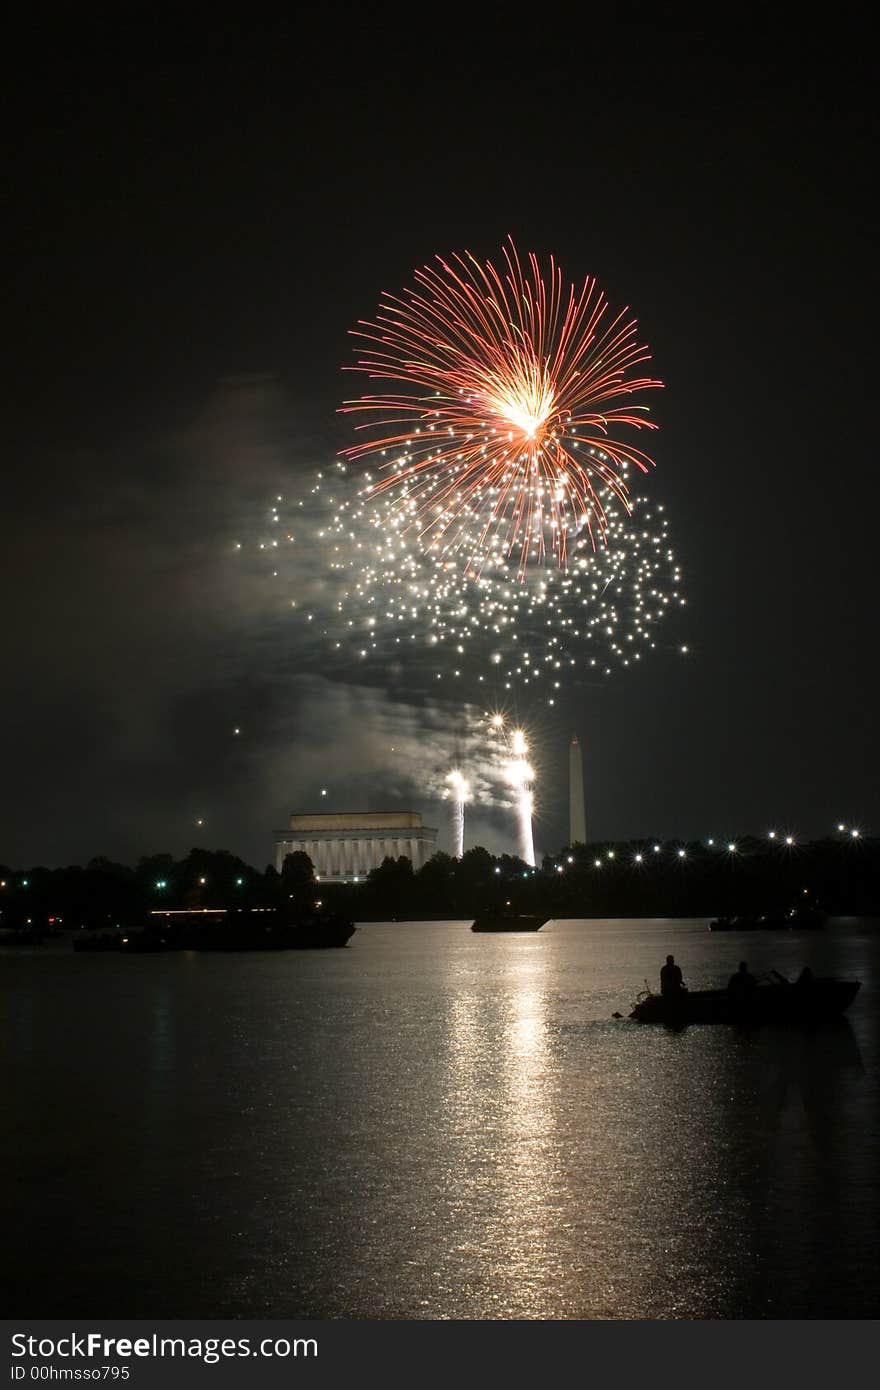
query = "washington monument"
{"x": 577, "y": 828}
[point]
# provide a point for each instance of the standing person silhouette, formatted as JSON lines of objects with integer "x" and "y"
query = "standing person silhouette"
{"x": 671, "y": 982}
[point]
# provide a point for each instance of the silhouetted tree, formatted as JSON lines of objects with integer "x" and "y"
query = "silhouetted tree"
{"x": 298, "y": 879}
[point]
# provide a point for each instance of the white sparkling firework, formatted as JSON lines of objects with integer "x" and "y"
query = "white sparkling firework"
{"x": 390, "y": 600}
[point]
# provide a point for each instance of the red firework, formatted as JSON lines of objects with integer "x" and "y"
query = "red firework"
{"x": 506, "y": 430}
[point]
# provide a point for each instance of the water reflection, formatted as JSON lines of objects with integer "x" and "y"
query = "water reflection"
{"x": 433, "y": 1126}
{"x": 802, "y": 1073}
{"x": 501, "y": 1097}
{"x": 811, "y": 1169}
{"x": 161, "y": 1053}
{"x": 529, "y": 1175}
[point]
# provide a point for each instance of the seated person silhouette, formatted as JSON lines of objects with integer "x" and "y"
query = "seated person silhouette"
{"x": 741, "y": 987}
{"x": 805, "y": 979}
{"x": 671, "y": 982}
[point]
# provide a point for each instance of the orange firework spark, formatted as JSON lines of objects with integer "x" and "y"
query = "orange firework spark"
{"x": 500, "y": 445}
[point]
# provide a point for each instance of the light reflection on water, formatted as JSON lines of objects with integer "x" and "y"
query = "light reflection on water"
{"x": 432, "y": 1125}
{"x": 501, "y": 1104}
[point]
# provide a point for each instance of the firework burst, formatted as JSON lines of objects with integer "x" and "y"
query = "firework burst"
{"x": 496, "y": 450}
{"x": 497, "y": 441}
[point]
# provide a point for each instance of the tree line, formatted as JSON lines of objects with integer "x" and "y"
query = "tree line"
{"x": 602, "y": 879}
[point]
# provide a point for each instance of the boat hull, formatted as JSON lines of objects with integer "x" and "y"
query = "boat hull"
{"x": 823, "y": 999}
{"x": 317, "y": 933}
{"x": 500, "y": 923}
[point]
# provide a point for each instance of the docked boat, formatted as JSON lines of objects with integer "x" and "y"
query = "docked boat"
{"x": 778, "y": 1002}
{"x": 261, "y": 929}
{"x": 20, "y": 936}
{"x": 507, "y": 921}
{"x": 99, "y": 941}
{"x": 130, "y": 943}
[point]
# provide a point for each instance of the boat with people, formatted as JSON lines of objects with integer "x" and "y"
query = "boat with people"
{"x": 508, "y": 921}
{"x": 810, "y": 999}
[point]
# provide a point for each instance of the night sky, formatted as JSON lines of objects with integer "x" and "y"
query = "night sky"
{"x": 196, "y": 218}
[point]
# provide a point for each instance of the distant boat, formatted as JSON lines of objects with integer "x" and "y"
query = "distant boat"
{"x": 734, "y": 924}
{"x": 319, "y": 932}
{"x": 799, "y": 918}
{"x": 781, "y": 1002}
{"x": 808, "y": 915}
{"x": 507, "y": 921}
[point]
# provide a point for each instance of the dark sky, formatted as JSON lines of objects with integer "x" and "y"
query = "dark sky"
{"x": 195, "y": 220}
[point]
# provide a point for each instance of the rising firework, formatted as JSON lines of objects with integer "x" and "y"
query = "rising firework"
{"x": 460, "y": 792}
{"x": 511, "y": 751}
{"x": 520, "y": 775}
{"x": 497, "y": 440}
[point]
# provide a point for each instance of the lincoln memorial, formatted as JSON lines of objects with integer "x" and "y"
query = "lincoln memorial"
{"x": 347, "y": 845}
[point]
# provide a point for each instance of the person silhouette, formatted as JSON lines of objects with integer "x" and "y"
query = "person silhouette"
{"x": 741, "y": 987}
{"x": 671, "y": 982}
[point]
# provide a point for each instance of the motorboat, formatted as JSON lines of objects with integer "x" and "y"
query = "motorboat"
{"x": 776, "y": 1001}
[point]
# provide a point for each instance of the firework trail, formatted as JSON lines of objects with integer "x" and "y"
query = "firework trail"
{"x": 497, "y": 438}
{"x": 460, "y": 795}
{"x": 520, "y": 774}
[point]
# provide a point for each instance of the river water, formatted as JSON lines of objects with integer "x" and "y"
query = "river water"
{"x": 436, "y": 1124}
